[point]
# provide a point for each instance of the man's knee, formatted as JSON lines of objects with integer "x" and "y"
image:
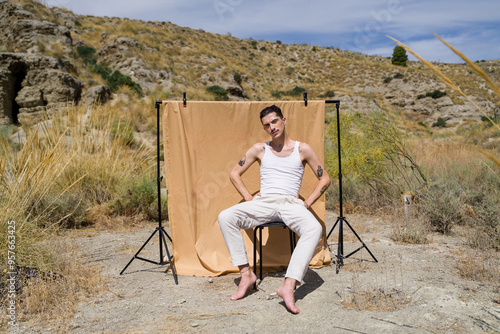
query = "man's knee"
{"x": 224, "y": 217}
{"x": 316, "y": 231}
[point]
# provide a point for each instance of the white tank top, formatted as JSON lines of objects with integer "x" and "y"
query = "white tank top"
{"x": 281, "y": 175}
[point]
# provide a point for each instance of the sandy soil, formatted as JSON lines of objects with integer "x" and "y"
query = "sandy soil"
{"x": 412, "y": 289}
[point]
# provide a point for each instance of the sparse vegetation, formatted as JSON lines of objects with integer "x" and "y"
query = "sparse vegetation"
{"x": 455, "y": 184}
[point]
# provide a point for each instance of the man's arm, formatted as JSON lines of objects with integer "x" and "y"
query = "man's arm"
{"x": 312, "y": 159}
{"x": 253, "y": 154}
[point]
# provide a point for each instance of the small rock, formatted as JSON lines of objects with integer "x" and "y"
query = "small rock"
{"x": 181, "y": 301}
{"x": 195, "y": 324}
{"x": 210, "y": 280}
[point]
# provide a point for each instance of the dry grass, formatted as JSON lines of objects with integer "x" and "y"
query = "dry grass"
{"x": 436, "y": 155}
{"x": 479, "y": 266}
{"x": 409, "y": 228}
{"x": 64, "y": 166}
{"x": 377, "y": 299}
{"x": 386, "y": 293}
{"x": 50, "y": 295}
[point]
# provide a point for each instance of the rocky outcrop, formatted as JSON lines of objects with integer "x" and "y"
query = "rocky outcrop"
{"x": 120, "y": 54}
{"x": 21, "y": 31}
{"x": 31, "y": 85}
{"x": 98, "y": 95}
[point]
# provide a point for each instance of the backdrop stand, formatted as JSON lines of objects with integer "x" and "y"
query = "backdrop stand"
{"x": 341, "y": 219}
{"x": 163, "y": 235}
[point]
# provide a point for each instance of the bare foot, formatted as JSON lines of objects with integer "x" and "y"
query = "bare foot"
{"x": 285, "y": 291}
{"x": 248, "y": 278}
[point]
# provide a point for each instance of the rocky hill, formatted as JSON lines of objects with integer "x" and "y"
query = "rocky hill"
{"x": 51, "y": 56}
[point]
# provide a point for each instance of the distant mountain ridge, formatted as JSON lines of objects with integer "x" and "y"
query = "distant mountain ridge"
{"x": 167, "y": 60}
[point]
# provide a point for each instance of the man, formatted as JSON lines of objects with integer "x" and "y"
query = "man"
{"x": 282, "y": 163}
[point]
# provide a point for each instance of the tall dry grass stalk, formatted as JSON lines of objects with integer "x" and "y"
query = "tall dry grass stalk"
{"x": 49, "y": 179}
{"x": 452, "y": 85}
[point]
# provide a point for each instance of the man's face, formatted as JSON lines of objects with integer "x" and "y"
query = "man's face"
{"x": 273, "y": 124}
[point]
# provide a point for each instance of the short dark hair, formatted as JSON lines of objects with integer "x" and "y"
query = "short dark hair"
{"x": 269, "y": 110}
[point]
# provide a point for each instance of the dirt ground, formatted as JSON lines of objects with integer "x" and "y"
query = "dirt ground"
{"x": 411, "y": 289}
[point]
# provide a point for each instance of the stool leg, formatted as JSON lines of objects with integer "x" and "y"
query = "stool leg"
{"x": 260, "y": 254}
{"x": 255, "y": 255}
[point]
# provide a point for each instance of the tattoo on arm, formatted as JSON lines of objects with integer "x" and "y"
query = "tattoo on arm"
{"x": 323, "y": 189}
{"x": 242, "y": 161}
{"x": 319, "y": 171}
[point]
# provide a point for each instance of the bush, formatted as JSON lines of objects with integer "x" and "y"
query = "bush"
{"x": 388, "y": 79}
{"x": 118, "y": 79}
{"x": 86, "y": 53}
{"x": 296, "y": 91}
{"x": 399, "y": 56}
{"x": 123, "y": 132}
{"x": 440, "y": 123}
{"x": 436, "y": 94}
{"x": 441, "y": 206}
{"x": 277, "y": 93}
{"x": 139, "y": 196}
{"x": 375, "y": 162}
{"x": 114, "y": 80}
{"x": 237, "y": 78}
{"x": 219, "y": 92}
{"x": 289, "y": 70}
{"x": 327, "y": 94}
{"x": 465, "y": 194}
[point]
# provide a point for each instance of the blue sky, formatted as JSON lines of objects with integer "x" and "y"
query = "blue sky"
{"x": 473, "y": 26}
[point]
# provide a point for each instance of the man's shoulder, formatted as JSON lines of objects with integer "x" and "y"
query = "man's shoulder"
{"x": 258, "y": 147}
{"x": 304, "y": 147}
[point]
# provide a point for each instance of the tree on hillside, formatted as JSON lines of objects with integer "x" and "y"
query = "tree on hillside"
{"x": 399, "y": 56}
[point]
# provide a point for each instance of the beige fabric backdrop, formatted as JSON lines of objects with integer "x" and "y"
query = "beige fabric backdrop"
{"x": 202, "y": 143}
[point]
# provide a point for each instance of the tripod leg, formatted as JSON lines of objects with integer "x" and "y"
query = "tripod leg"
{"x": 163, "y": 233}
{"x": 333, "y": 228}
{"x": 140, "y": 249}
{"x": 340, "y": 245}
{"x": 364, "y": 245}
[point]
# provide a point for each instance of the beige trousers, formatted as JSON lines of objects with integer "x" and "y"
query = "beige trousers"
{"x": 267, "y": 208}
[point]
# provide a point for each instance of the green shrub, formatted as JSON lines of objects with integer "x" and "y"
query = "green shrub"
{"x": 237, "y": 78}
{"x": 388, "y": 79}
{"x": 139, "y": 196}
{"x": 436, "y": 94}
{"x": 375, "y": 162}
{"x": 118, "y": 79}
{"x": 114, "y": 80}
{"x": 277, "y": 93}
{"x": 440, "y": 123}
{"x": 489, "y": 123}
{"x": 398, "y": 75}
{"x": 86, "y": 53}
{"x": 465, "y": 194}
{"x": 328, "y": 94}
{"x": 399, "y": 56}
{"x": 219, "y": 92}
{"x": 295, "y": 91}
{"x": 123, "y": 132}
{"x": 289, "y": 70}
